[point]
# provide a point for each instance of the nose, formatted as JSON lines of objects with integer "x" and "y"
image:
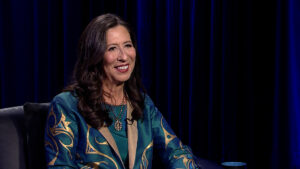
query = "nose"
{"x": 122, "y": 55}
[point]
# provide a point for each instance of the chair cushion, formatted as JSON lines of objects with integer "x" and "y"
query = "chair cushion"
{"x": 35, "y": 119}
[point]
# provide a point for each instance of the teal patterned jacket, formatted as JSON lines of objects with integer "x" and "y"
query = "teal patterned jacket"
{"x": 71, "y": 143}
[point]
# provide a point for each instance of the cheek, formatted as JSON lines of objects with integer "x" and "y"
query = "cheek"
{"x": 108, "y": 59}
{"x": 132, "y": 55}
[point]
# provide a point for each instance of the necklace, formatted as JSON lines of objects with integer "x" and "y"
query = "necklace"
{"x": 118, "y": 123}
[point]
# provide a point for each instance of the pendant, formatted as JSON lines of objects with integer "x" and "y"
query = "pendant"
{"x": 118, "y": 125}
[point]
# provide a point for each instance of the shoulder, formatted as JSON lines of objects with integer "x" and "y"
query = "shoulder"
{"x": 147, "y": 100}
{"x": 150, "y": 108}
{"x": 65, "y": 97}
{"x": 67, "y": 100}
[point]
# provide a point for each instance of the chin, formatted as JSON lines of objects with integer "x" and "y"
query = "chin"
{"x": 122, "y": 80}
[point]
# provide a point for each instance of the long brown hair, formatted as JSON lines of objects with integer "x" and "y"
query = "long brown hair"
{"x": 88, "y": 73}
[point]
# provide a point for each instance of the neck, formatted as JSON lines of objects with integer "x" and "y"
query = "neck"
{"x": 113, "y": 93}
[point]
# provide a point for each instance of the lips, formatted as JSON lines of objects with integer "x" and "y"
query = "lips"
{"x": 122, "y": 68}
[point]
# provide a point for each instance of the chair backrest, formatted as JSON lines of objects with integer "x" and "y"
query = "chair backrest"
{"x": 12, "y": 138}
{"x": 35, "y": 119}
{"x": 22, "y": 136}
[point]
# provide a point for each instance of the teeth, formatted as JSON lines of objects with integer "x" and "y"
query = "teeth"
{"x": 123, "y": 67}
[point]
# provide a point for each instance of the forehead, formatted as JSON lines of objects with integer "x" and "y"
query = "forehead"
{"x": 117, "y": 34}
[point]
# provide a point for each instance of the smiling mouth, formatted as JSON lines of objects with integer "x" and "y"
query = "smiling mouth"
{"x": 122, "y": 69}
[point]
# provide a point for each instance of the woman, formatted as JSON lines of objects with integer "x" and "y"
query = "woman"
{"x": 105, "y": 119}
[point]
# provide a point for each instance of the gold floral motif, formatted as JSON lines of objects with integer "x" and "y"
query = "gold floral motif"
{"x": 91, "y": 150}
{"x": 168, "y": 137}
{"x": 188, "y": 163}
{"x": 49, "y": 133}
{"x": 101, "y": 143}
{"x": 180, "y": 144}
{"x": 47, "y": 143}
{"x": 62, "y": 127}
{"x": 145, "y": 162}
{"x": 93, "y": 165}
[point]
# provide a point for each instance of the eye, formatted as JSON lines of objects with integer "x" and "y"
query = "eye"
{"x": 128, "y": 45}
{"x": 111, "y": 48}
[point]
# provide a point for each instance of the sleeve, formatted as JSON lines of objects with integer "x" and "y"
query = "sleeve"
{"x": 173, "y": 153}
{"x": 60, "y": 136}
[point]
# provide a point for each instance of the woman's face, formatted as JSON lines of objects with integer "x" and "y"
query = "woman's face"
{"x": 119, "y": 57}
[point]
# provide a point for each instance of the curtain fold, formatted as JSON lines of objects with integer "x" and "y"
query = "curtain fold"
{"x": 294, "y": 82}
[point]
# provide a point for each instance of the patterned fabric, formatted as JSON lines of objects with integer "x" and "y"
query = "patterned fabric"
{"x": 71, "y": 143}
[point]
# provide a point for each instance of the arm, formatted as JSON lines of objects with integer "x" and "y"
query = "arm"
{"x": 60, "y": 136}
{"x": 172, "y": 151}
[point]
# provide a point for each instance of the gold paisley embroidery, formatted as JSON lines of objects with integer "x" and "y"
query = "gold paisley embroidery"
{"x": 91, "y": 150}
{"x": 168, "y": 137}
{"x": 47, "y": 143}
{"x": 180, "y": 144}
{"x": 62, "y": 127}
{"x": 188, "y": 163}
{"x": 93, "y": 165}
{"x": 101, "y": 143}
{"x": 52, "y": 138}
{"x": 144, "y": 164}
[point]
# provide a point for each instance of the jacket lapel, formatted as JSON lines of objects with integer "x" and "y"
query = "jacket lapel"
{"x": 132, "y": 132}
{"x": 111, "y": 141}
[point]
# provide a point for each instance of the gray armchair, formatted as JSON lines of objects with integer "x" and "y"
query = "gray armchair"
{"x": 12, "y": 138}
{"x": 21, "y": 136}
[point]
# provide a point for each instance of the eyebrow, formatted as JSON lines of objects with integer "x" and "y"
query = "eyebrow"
{"x": 129, "y": 41}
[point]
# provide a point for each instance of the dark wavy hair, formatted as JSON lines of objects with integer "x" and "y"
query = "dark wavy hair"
{"x": 89, "y": 73}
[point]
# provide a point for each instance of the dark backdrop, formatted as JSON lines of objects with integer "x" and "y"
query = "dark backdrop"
{"x": 225, "y": 74}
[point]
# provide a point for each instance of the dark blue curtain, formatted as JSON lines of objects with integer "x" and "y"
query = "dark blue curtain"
{"x": 225, "y": 74}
